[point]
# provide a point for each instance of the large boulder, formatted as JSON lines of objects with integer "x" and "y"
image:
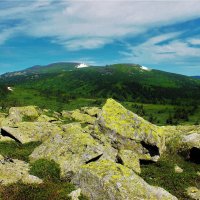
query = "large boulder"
{"x": 108, "y": 180}
{"x": 19, "y": 114}
{"x": 13, "y": 171}
{"x": 127, "y": 130}
{"x": 25, "y": 132}
{"x": 71, "y": 149}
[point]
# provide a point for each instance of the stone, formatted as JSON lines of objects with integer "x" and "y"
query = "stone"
{"x": 25, "y": 132}
{"x": 178, "y": 169}
{"x": 92, "y": 111}
{"x": 79, "y": 116}
{"x": 19, "y": 114}
{"x": 82, "y": 117}
{"x": 108, "y": 180}
{"x": 71, "y": 149}
{"x": 193, "y": 193}
{"x": 192, "y": 140}
{"x": 127, "y": 130}
{"x": 75, "y": 194}
{"x": 13, "y": 171}
{"x": 130, "y": 160}
{"x": 45, "y": 118}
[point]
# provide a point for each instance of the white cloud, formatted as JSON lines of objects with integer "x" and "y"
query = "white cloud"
{"x": 150, "y": 52}
{"x": 92, "y": 24}
{"x": 194, "y": 41}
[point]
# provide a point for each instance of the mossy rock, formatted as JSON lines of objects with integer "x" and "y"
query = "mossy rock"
{"x": 108, "y": 180}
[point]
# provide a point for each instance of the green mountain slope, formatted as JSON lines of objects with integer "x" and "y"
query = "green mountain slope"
{"x": 121, "y": 81}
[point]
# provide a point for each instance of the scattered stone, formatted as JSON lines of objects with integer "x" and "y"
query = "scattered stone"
{"x": 81, "y": 115}
{"x": 193, "y": 193}
{"x": 18, "y": 114}
{"x": 13, "y": 171}
{"x": 192, "y": 140}
{"x": 178, "y": 169}
{"x": 108, "y": 180}
{"x": 25, "y": 132}
{"x": 92, "y": 111}
{"x": 75, "y": 194}
{"x": 45, "y": 118}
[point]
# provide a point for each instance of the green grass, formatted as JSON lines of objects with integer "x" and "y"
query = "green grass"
{"x": 47, "y": 191}
{"x": 16, "y": 150}
{"x": 45, "y": 169}
{"x": 162, "y": 174}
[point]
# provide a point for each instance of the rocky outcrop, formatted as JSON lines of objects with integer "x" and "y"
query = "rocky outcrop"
{"x": 13, "y": 171}
{"x": 108, "y": 180}
{"x": 126, "y": 130}
{"x": 101, "y": 153}
{"x": 71, "y": 149}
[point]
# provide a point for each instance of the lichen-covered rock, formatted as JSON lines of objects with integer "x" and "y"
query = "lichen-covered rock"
{"x": 92, "y": 111}
{"x": 129, "y": 131}
{"x": 184, "y": 139}
{"x": 130, "y": 160}
{"x": 192, "y": 140}
{"x": 111, "y": 181}
{"x": 75, "y": 194}
{"x": 25, "y": 132}
{"x": 82, "y": 115}
{"x": 178, "y": 169}
{"x": 18, "y": 114}
{"x": 2, "y": 118}
{"x": 13, "y": 171}
{"x": 179, "y": 138}
{"x": 193, "y": 193}
{"x": 71, "y": 149}
{"x": 45, "y": 118}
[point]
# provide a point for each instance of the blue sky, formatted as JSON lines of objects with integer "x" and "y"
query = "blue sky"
{"x": 160, "y": 34}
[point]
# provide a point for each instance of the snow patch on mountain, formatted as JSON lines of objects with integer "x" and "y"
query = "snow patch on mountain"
{"x": 10, "y": 89}
{"x": 145, "y": 68}
{"x": 82, "y": 65}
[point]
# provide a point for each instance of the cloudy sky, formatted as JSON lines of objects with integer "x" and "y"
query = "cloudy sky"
{"x": 160, "y": 34}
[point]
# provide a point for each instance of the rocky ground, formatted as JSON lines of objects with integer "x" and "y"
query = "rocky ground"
{"x": 100, "y": 151}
